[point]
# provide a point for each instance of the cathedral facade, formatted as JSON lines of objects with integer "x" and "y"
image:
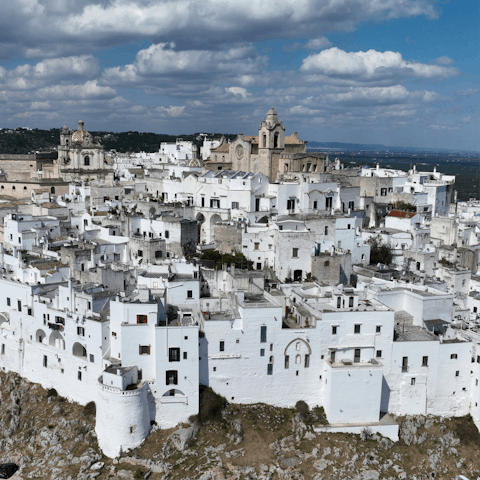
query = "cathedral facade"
{"x": 82, "y": 158}
{"x": 271, "y": 152}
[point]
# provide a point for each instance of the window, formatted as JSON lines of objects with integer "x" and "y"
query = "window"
{"x": 222, "y": 346}
{"x": 378, "y": 354}
{"x": 334, "y": 330}
{"x": 350, "y": 301}
{"x": 8, "y": 302}
{"x": 19, "y": 305}
{"x": 405, "y": 364}
{"x": 298, "y": 359}
{"x": 79, "y": 375}
{"x": 185, "y": 356}
{"x": 271, "y": 347}
{"x": 270, "y": 369}
{"x": 263, "y": 334}
{"x": 315, "y": 204}
{"x": 357, "y": 328}
{"x": 189, "y": 293}
{"x": 3, "y": 349}
{"x": 424, "y": 361}
{"x": 307, "y": 360}
{"x": 287, "y": 361}
{"x": 256, "y": 246}
{"x": 173, "y": 354}
{"x": 81, "y": 331}
{"x": 453, "y": 356}
{"x": 140, "y": 253}
{"x": 327, "y": 263}
{"x": 86, "y": 161}
{"x": 457, "y": 373}
{"x": 383, "y": 192}
{"x": 291, "y": 204}
{"x": 351, "y": 205}
{"x": 171, "y": 377}
{"x": 141, "y": 319}
{"x": 378, "y": 329}
{"x": 202, "y": 201}
{"x": 214, "y": 203}
{"x": 235, "y": 205}
{"x": 295, "y": 253}
{"x": 326, "y": 230}
{"x": 158, "y": 254}
{"x": 167, "y": 234}
{"x": 328, "y": 202}
{"x": 45, "y": 361}
{"x": 412, "y": 381}
{"x": 271, "y": 359}
{"x": 262, "y": 352}
{"x": 144, "y": 350}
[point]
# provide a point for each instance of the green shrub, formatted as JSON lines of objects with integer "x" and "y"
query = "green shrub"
{"x": 90, "y": 409}
{"x": 302, "y": 408}
{"x": 211, "y": 405}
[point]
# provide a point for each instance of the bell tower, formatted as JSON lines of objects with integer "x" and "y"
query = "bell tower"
{"x": 271, "y": 134}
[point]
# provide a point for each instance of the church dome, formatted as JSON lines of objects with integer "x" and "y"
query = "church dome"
{"x": 79, "y": 135}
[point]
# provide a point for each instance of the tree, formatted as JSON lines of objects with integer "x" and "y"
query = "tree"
{"x": 379, "y": 252}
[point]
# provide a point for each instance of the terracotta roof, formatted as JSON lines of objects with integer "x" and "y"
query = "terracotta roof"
{"x": 401, "y": 214}
{"x": 291, "y": 140}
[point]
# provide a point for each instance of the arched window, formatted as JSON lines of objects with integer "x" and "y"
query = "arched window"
{"x": 86, "y": 161}
{"x": 298, "y": 359}
{"x": 25, "y": 188}
{"x": 298, "y": 346}
{"x": 275, "y": 140}
{"x": 264, "y": 141}
{"x": 79, "y": 350}
{"x": 271, "y": 360}
{"x": 13, "y": 187}
{"x": 52, "y": 190}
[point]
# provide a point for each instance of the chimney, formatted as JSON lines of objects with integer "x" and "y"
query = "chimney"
{"x": 80, "y": 125}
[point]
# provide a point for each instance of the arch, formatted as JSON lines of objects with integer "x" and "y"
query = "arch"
{"x": 263, "y": 220}
{"x": 52, "y": 190}
{"x": 86, "y": 160}
{"x": 299, "y": 340}
{"x": 298, "y": 359}
{"x": 214, "y": 219}
{"x": 56, "y": 340}
{"x": 78, "y": 350}
{"x": 40, "y": 336}
{"x": 175, "y": 391}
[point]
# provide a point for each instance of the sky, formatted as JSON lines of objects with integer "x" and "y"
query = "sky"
{"x": 395, "y": 72}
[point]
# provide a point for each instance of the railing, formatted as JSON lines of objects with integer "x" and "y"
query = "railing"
{"x": 56, "y": 326}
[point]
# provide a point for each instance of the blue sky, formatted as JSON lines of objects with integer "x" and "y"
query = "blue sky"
{"x": 397, "y": 72}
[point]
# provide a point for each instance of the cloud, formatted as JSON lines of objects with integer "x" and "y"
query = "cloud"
{"x": 39, "y": 28}
{"x": 87, "y": 90}
{"x": 318, "y": 43}
{"x": 171, "y": 111}
{"x": 447, "y": 61}
{"x": 371, "y": 65}
{"x": 469, "y": 92}
{"x": 238, "y": 91}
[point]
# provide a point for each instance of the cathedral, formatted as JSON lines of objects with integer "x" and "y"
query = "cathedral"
{"x": 271, "y": 152}
{"x": 82, "y": 158}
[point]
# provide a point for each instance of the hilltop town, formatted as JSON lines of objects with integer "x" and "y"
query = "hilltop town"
{"x": 252, "y": 266}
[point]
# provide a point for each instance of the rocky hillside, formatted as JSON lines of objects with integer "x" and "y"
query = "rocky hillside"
{"x": 51, "y": 438}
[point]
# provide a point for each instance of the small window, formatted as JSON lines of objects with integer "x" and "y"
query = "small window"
{"x": 158, "y": 254}
{"x": 92, "y": 358}
{"x": 295, "y": 253}
{"x": 142, "y": 319}
{"x": 350, "y": 302}
{"x": 19, "y": 305}
{"x": 222, "y": 346}
{"x": 3, "y": 349}
{"x": 326, "y": 230}
{"x": 235, "y": 205}
{"x": 378, "y": 329}
{"x": 271, "y": 347}
{"x": 287, "y": 361}
{"x": 45, "y": 361}
{"x": 140, "y": 253}
{"x": 8, "y": 302}
{"x": 424, "y": 361}
{"x": 383, "y": 192}
{"x": 379, "y": 354}
{"x": 144, "y": 350}
{"x": 334, "y": 330}
{"x": 81, "y": 331}
{"x": 412, "y": 381}
{"x": 263, "y": 334}
{"x": 173, "y": 354}
{"x": 262, "y": 352}
{"x": 256, "y": 246}
{"x": 357, "y": 328}
{"x": 185, "y": 355}
{"x": 167, "y": 234}
{"x": 189, "y": 293}
{"x": 457, "y": 373}
{"x": 86, "y": 161}
{"x": 453, "y": 356}
{"x": 79, "y": 375}
{"x": 171, "y": 377}
{"x": 315, "y": 204}
{"x": 307, "y": 360}
{"x": 270, "y": 369}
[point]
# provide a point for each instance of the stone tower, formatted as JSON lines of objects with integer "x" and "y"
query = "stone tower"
{"x": 271, "y": 134}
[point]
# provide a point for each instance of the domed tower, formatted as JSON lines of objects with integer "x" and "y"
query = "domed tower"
{"x": 271, "y": 134}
